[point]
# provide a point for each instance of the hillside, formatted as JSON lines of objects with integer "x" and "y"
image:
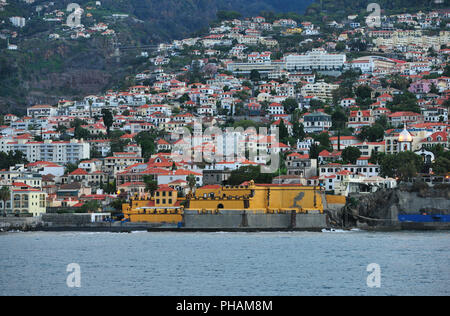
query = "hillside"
{"x": 44, "y": 70}
{"x": 340, "y": 9}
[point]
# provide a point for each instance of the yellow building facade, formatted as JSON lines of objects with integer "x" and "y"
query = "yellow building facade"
{"x": 163, "y": 207}
{"x": 253, "y": 198}
{"x": 257, "y": 198}
{"x": 26, "y": 200}
{"x": 296, "y": 30}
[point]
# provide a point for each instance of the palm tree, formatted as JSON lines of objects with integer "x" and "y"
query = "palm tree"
{"x": 191, "y": 181}
{"x": 5, "y": 195}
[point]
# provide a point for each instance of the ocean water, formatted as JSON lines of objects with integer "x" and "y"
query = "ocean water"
{"x": 223, "y": 264}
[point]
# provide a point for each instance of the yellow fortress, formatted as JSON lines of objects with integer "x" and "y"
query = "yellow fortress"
{"x": 166, "y": 207}
{"x": 257, "y": 198}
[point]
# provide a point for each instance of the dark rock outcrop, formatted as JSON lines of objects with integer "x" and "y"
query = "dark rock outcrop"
{"x": 383, "y": 207}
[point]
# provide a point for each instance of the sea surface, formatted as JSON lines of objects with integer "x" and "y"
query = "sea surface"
{"x": 224, "y": 264}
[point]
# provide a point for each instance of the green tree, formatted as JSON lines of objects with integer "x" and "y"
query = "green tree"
{"x": 363, "y": 92}
{"x": 255, "y": 75}
{"x": 108, "y": 119}
{"x": 338, "y": 119}
{"x": 383, "y": 121}
{"x": 81, "y": 133}
{"x": 248, "y": 173}
{"x": 340, "y": 46}
{"x": 372, "y": 133}
{"x": 147, "y": 142}
{"x": 77, "y": 123}
{"x": 351, "y": 154}
{"x": 5, "y": 195}
{"x": 298, "y": 130}
{"x": 324, "y": 140}
{"x": 110, "y": 187}
{"x": 192, "y": 182}
{"x": 90, "y": 207}
{"x": 223, "y": 15}
{"x": 316, "y": 104}
{"x": 400, "y": 83}
{"x": 406, "y": 101}
{"x": 290, "y": 105}
{"x": 404, "y": 165}
{"x": 441, "y": 166}
{"x": 247, "y": 84}
{"x": 150, "y": 184}
{"x": 11, "y": 159}
{"x": 246, "y": 124}
{"x": 117, "y": 205}
{"x": 117, "y": 145}
{"x": 315, "y": 150}
{"x": 71, "y": 167}
{"x": 283, "y": 132}
{"x": 184, "y": 98}
{"x": 61, "y": 129}
{"x": 377, "y": 157}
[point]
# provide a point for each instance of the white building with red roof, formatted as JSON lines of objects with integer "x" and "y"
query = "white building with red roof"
{"x": 345, "y": 141}
{"x": 46, "y": 168}
{"x": 406, "y": 117}
{"x": 435, "y": 114}
{"x": 41, "y": 111}
{"x": 348, "y": 102}
{"x": 179, "y": 174}
{"x": 437, "y": 138}
{"x": 361, "y": 118}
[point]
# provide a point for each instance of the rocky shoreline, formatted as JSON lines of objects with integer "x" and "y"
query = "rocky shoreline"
{"x": 381, "y": 210}
{"x": 377, "y": 211}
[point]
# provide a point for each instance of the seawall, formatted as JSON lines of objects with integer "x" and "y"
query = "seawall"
{"x": 242, "y": 220}
{"x": 20, "y": 223}
{"x": 192, "y": 221}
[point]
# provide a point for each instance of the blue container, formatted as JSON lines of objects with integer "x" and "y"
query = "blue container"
{"x": 418, "y": 218}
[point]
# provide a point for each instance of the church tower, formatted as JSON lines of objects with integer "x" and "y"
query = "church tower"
{"x": 405, "y": 140}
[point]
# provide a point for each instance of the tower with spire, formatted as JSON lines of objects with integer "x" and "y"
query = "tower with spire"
{"x": 405, "y": 140}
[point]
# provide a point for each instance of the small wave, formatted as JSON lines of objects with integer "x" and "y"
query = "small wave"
{"x": 335, "y": 231}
